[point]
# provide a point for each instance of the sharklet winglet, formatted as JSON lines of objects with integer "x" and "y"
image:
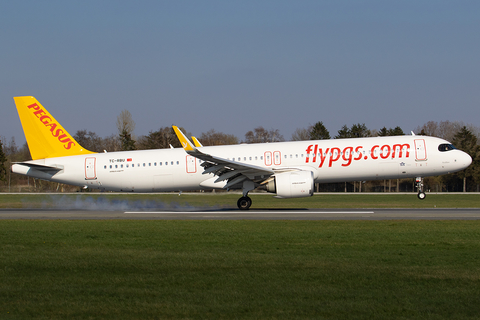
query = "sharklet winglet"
{"x": 186, "y": 144}
{"x": 196, "y": 142}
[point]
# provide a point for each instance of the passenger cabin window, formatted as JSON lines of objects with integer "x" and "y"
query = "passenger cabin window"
{"x": 445, "y": 147}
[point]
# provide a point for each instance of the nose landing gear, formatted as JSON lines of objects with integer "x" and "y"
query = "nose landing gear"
{"x": 421, "y": 195}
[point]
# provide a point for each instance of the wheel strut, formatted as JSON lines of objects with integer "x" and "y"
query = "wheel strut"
{"x": 421, "y": 195}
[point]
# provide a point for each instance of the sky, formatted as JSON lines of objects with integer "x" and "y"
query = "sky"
{"x": 235, "y": 65}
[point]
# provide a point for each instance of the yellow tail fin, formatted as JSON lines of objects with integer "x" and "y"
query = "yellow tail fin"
{"x": 46, "y": 138}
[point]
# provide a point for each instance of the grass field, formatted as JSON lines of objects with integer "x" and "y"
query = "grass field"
{"x": 120, "y": 269}
{"x": 124, "y": 269}
{"x": 107, "y": 201}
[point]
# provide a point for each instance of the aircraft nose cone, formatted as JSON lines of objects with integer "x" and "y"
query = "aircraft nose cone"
{"x": 464, "y": 160}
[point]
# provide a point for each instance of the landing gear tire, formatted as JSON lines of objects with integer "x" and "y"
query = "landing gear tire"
{"x": 421, "y": 195}
{"x": 244, "y": 203}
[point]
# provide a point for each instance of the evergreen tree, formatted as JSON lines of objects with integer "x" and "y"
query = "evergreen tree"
{"x": 126, "y": 125}
{"x": 383, "y": 132}
{"x": 127, "y": 142}
{"x": 359, "y": 131}
{"x": 319, "y": 132}
{"x": 3, "y": 161}
{"x": 343, "y": 133}
{"x": 466, "y": 141}
{"x": 356, "y": 131}
{"x": 397, "y": 131}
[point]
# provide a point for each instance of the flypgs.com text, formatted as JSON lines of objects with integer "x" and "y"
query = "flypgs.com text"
{"x": 350, "y": 154}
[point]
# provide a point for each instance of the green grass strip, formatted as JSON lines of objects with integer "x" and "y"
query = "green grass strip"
{"x": 121, "y": 269}
{"x": 209, "y": 200}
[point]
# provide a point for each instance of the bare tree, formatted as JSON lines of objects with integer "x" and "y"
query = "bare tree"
{"x": 112, "y": 143}
{"x": 261, "y": 135}
{"x": 213, "y": 138}
{"x": 160, "y": 139}
{"x": 125, "y": 122}
{"x": 125, "y": 126}
{"x": 89, "y": 140}
{"x": 445, "y": 129}
{"x": 428, "y": 129}
{"x": 301, "y": 134}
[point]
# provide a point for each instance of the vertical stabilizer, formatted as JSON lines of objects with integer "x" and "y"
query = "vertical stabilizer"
{"x": 46, "y": 138}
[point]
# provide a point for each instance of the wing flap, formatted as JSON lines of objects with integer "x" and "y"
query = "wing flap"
{"x": 232, "y": 171}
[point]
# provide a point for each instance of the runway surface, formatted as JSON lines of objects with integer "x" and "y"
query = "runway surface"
{"x": 230, "y": 214}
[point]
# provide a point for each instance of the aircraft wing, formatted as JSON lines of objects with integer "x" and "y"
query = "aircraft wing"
{"x": 225, "y": 169}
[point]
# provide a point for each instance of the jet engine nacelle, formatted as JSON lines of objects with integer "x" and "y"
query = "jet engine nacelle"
{"x": 295, "y": 184}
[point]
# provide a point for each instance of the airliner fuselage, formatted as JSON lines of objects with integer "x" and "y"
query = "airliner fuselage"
{"x": 330, "y": 161}
{"x": 288, "y": 169}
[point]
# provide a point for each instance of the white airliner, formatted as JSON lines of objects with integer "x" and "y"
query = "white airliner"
{"x": 288, "y": 169}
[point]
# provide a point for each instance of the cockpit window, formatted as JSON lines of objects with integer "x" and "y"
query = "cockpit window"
{"x": 446, "y": 147}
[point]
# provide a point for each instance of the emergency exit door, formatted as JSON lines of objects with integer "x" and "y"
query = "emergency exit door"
{"x": 191, "y": 164}
{"x": 90, "y": 172}
{"x": 420, "y": 150}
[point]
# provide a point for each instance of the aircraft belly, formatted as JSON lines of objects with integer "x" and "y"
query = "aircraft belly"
{"x": 163, "y": 182}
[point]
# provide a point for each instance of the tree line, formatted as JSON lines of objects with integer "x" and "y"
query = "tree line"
{"x": 464, "y": 137}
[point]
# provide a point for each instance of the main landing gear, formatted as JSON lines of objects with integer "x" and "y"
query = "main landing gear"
{"x": 245, "y": 202}
{"x": 421, "y": 195}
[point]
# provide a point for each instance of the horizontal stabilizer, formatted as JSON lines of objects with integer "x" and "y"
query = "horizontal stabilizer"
{"x": 36, "y": 170}
{"x": 41, "y": 167}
